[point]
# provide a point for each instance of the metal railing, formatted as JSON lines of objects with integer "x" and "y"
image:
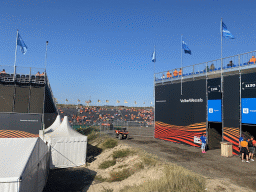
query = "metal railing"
{"x": 226, "y": 64}
{"x": 23, "y": 75}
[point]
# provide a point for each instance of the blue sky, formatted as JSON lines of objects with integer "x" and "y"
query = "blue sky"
{"x": 101, "y": 49}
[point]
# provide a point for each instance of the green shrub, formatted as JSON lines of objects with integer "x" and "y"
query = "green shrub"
{"x": 121, "y": 153}
{"x": 107, "y": 164}
{"x": 110, "y": 143}
{"x": 92, "y": 136}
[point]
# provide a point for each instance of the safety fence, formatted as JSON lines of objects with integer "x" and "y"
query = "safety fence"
{"x": 227, "y": 64}
{"x": 135, "y": 128}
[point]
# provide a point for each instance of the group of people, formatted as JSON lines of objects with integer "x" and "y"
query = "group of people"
{"x": 247, "y": 148}
{"x": 175, "y": 74}
{"x": 38, "y": 74}
{"x": 3, "y": 72}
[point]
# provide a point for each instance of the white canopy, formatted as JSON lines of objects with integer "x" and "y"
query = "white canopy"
{"x": 54, "y": 126}
{"x": 68, "y": 147}
{"x": 23, "y": 164}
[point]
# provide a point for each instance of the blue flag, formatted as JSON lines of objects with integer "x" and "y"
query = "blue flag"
{"x": 22, "y": 45}
{"x": 154, "y": 56}
{"x": 185, "y": 47}
{"x": 226, "y": 33}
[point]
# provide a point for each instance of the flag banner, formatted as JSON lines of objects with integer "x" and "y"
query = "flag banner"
{"x": 125, "y": 101}
{"x": 117, "y": 101}
{"x": 22, "y": 45}
{"x": 107, "y": 101}
{"x": 135, "y": 102}
{"x": 185, "y": 48}
{"x": 154, "y": 56}
{"x": 151, "y": 103}
{"x": 99, "y": 101}
{"x": 144, "y": 103}
{"x": 226, "y": 33}
{"x": 67, "y": 100}
{"x": 78, "y": 100}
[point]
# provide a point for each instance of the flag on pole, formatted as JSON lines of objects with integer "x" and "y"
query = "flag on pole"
{"x": 78, "y": 100}
{"x": 151, "y": 103}
{"x": 22, "y": 45}
{"x": 225, "y": 32}
{"x": 117, "y": 101}
{"x": 67, "y": 100}
{"x": 107, "y": 101}
{"x": 99, "y": 101}
{"x": 135, "y": 102}
{"x": 185, "y": 48}
{"x": 154, "y": 56}
{"x": 125, "y": 101}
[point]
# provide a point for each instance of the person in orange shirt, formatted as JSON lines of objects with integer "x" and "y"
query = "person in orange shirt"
{"x": 175, "y": 73}
{"x": 169, "y": 75}
{"x": 180, "y": 72}
{"x": 245, "y": 151}
{"x": 253, "y": 59}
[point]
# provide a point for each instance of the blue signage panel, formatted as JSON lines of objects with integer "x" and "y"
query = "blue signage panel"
{"x": 214, "y": 110}
{"x": 249, "y": 110}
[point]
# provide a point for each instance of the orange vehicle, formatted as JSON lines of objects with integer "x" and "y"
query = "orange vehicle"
{"x": 121, "y": 133}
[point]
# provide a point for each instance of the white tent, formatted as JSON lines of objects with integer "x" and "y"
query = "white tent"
{"x": 24, "y": 164}
{"x": 50, "y": 129}
{"x": 54, "y": 126}
{"x": 68, "y": 147}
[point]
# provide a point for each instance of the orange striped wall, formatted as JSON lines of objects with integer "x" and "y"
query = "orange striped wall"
{"x": 179, "y": 134}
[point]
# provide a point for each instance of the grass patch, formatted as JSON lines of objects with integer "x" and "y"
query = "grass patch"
{"x": 175, "y": 178}
{"x": 100, "y": 178}
{"x": 107, "y": 190}
{"x": 120, "y": 175}
{"x": 92, "y": 136}
{"x": 107, "y": 164}
{"x": 122, "y": 166}
{"x": 109, "y": 143}
{"x": 121, "y": 153}
{"x": 149, "y": 160}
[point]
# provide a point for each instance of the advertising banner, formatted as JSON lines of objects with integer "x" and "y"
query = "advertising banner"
{"x": 214, "y": 110}
{"x": 249, "y": 110}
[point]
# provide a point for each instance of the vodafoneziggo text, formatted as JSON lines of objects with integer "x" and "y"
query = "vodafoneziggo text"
{"x": 191, "y": 100}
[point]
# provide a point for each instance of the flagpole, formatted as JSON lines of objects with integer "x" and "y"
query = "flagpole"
{"x": 15, "y": 54}
{"x": 181, "y": 68}
{"x": 221, "y": 34}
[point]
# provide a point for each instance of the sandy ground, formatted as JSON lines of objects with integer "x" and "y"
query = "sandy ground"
{"x": 221, "y": 173}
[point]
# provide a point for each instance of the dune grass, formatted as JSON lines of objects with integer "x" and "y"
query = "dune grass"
{"x": 175, "y": 178}
{"x": 107, "y": 164}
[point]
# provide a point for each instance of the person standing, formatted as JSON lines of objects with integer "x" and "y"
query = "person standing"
{"x": 203, "y": 141}
{"x": 244, "y": 151}
{"x": 251, "y": 144}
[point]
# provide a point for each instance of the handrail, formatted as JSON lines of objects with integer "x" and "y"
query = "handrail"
{"x": 231, "y": 63}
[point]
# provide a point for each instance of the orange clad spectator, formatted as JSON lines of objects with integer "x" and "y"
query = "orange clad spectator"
{"x": 3, "y": 72}
{"x": 180, "y": 72}
{"x": 168, "y": 74}
{"x": 175, "y": 73}
{"x": 253, "y": 59}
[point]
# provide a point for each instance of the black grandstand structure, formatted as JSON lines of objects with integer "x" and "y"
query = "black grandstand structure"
{"x": 26, "y": 100}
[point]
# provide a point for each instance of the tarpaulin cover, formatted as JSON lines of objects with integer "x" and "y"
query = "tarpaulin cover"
{"x": 68, "y": 147}
{"x": 23, "y": 164}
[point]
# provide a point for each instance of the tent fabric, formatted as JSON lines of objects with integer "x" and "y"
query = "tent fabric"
{"x": 54, "y": 126}
{"x": 23, "y": 164}
{"x": 68, "y": 147}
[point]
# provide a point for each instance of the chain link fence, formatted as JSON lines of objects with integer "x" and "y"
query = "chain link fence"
{"x": 135, "y": 128}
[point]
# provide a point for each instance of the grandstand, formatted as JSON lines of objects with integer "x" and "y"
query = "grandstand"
{"x": 217, "y": 97}
{"x": 26, "y": 102}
